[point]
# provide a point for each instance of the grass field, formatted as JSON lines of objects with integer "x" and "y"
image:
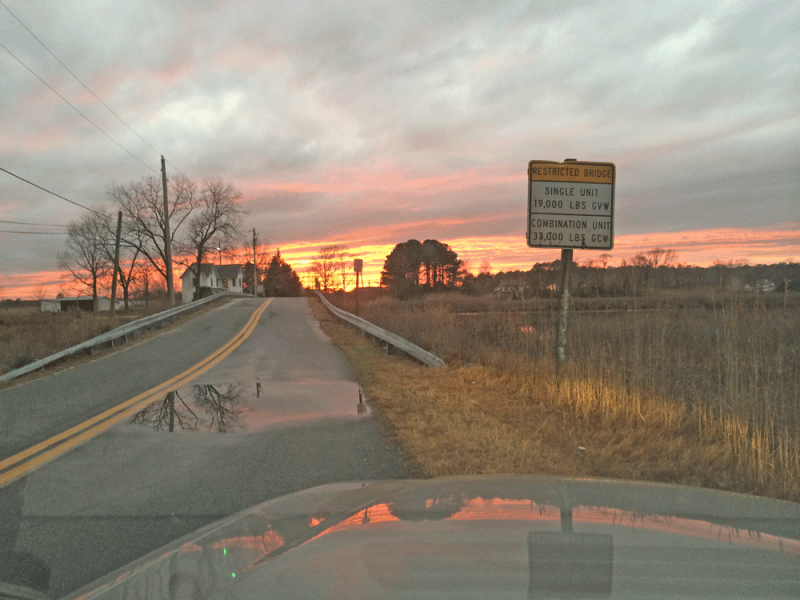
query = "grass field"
{"x": 700, "y": 389}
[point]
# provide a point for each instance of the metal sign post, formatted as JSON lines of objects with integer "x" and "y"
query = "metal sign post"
{"x": 563, "y": 311}
{"x": 570, "y": 205}
{"x": 358, "y": 267}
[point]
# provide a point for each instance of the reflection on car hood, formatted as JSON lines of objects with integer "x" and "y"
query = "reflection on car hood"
{"x": 479, "y": 537}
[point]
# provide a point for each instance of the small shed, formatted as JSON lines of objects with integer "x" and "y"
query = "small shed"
{"x": 83, "y": 303}
{"x": 513, "y": 289}
{"x": 50, "y": 305}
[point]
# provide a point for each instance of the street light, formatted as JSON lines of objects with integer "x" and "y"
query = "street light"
{"x": 219, "y": 252}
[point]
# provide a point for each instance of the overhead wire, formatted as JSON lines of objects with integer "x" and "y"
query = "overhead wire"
{"x": 35, "y": 232}
{"x": 35, "y": 224}
{"x": 95, "y": 125}
{"x": 52, "y": 193}
{"x": 78, "y": 79}
{"x": 100, "y": 129}
{"x": 29, "y": 69}
{"x": 75, "y": 76}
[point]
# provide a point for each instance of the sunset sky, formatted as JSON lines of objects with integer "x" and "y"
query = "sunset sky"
{"x": 368, "y": 123}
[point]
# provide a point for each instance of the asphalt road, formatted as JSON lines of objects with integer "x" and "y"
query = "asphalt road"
{"x": 295, "y": 424}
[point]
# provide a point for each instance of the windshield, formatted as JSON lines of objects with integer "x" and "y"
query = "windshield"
{"x": 250, "y": 250}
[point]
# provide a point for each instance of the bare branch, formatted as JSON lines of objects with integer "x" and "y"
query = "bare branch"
{"x": 218, "y": 219}
{"x": 142, "y": 205}
{"x": 85, "y": 255}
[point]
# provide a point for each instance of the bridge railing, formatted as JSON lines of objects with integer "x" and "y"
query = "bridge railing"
{"x": 110, "y": 338}
{"x": 394, "y": 343}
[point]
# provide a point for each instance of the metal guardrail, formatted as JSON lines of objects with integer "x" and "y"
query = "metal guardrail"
{"x": 393, "y": 342}
{"x": 123, "y": 332}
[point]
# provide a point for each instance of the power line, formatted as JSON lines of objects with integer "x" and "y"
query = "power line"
{"x": 176, "y": 168}
{"x": 52, "y": 193}
{"x": 75, "y": 109}
{"x": 35, "y": 232}
{"x": 36, "y": 224}
{"x": 76, "y": 77}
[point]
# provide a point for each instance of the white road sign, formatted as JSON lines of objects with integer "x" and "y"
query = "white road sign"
{"x": 571, "y": 205}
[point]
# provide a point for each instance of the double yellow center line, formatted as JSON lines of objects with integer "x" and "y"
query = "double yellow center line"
{"x": 45, "y": 451}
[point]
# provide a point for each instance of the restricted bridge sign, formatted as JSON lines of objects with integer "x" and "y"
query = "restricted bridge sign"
{"x": 571, "y": 204}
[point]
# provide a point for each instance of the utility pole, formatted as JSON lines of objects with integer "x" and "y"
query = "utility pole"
{"x": 167, "y": 238}
{"x": 116, "y": 267}
{"x": 255, "y": 268}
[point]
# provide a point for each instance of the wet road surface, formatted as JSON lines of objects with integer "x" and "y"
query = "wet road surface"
{"x": 291, "y": 411}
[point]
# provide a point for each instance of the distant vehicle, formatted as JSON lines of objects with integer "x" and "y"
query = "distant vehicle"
{"x": 482, "y": 537}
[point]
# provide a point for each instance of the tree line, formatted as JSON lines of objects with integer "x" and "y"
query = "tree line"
{"x": 205, "y": 217}
{"x": 633, "y": 277}
{"x": 413, "y": 268}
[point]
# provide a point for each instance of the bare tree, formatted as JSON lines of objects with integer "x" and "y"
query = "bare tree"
{"x": 326, "y": 264}
{"x": 655, "y": 259}
{"x": 128, "y": 267}
{"x": 641, "y": 272}
{"x": 217, "y": 220}
{"x": 343, "y": 265}
{"x": 658, "y": 257}
{"x": 603, "y": 261}
{"x": 129, "y": 254}
{"x": 40, "y": 292}
{"x": 142, "y": 205}
{"x": 85, "y": 255}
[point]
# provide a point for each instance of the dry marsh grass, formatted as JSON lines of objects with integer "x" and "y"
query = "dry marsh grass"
{"x": 26, "y": 334}
{"x": 702, "y": 391}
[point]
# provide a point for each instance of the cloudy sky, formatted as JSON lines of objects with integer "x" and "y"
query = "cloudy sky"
{"x": 367, "y": 123}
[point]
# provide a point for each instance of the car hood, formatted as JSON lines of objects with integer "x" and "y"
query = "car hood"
{"x": 478, "y": 537}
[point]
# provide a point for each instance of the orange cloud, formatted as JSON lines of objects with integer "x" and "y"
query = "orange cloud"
{"x": 395, "y": 182}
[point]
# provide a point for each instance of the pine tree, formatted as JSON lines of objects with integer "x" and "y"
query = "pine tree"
{"x": 280, "y": 279}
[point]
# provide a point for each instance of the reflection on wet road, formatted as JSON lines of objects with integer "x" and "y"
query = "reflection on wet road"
{"x": 210, "y": 407}
{"x": 230, "y": 408}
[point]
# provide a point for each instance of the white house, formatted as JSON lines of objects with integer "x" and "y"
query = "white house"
{"x": 213, "y": 279}
{"x": 232, "y": 277}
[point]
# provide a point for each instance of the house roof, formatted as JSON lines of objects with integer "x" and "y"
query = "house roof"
{"x": 222, "y": 271}
{"x": 75, "y": 299}
{"x": 229, "y": 271}
{"x": 205, "y": 269}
